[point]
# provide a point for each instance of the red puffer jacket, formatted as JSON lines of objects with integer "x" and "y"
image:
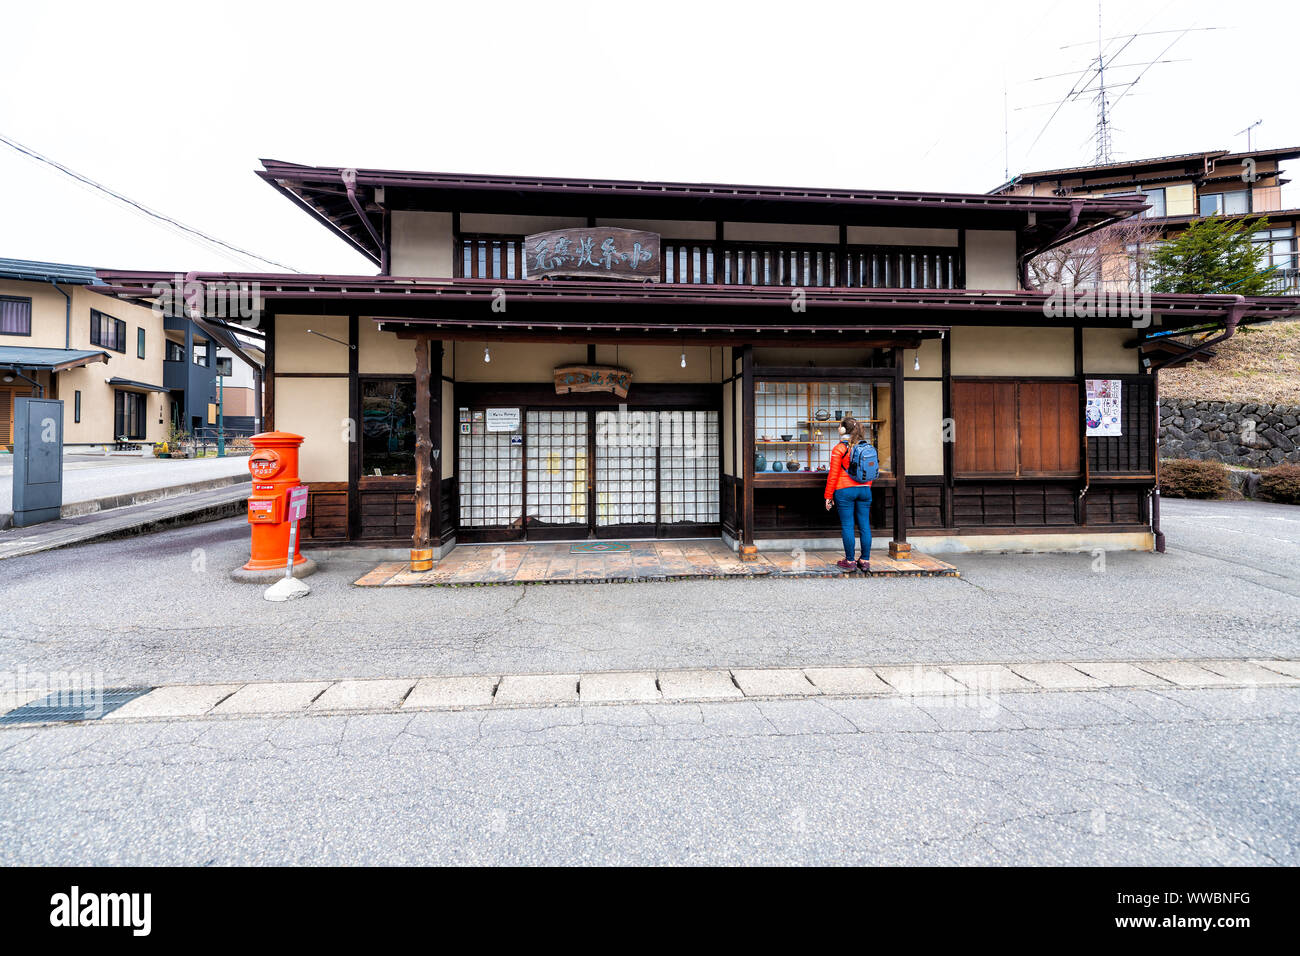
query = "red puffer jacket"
{"x": 839, "y": 476}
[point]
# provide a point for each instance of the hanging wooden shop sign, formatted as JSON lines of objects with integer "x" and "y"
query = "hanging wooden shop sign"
{"x": 609, "y": 252}
{"x": 592, "y": 378}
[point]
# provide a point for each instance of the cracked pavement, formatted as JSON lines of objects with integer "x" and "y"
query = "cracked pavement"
{"x": 1145, "y": 776}
{"x": 1100, "y": 777}
{"x": 1229, "y": 587}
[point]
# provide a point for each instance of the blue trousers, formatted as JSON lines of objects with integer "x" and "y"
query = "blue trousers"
{"x": 854, "y": 503}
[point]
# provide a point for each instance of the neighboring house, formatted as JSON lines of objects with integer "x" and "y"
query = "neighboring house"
{"x": 122, "y": 370}
{"x": 190, "y": 374}
{"x": 241, "y": 389}
{"x": 741, "y": 320}
{"x": 1181, "y": 189}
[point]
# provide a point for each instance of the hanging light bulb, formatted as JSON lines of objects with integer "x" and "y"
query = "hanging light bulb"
{"x": 916, "y": 361}
{"x": 683, "y": 360}
{"x": 487, "y": 355}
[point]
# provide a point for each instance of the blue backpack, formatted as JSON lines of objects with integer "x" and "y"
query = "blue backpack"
{"x": 864, "y": 462}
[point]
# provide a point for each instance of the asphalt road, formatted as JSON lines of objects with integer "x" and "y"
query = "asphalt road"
{"x": 161, "y": 609}
{"x": 1092, "y": 778}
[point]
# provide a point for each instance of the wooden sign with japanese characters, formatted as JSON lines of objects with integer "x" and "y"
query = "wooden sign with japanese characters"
{"x": 608, "y": 252}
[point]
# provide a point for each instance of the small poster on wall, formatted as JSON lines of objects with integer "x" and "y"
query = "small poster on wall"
{"x": 503, "y": 419}
{"x": 1103, "y": 408}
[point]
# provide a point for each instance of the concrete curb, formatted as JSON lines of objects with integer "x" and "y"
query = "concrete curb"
{"x": 108, "y": 525}
{"x": 79, "y": 509}
{"x": 926, "y": 683}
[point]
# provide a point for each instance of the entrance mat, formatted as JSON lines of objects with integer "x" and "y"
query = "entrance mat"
{"x": 71, "y": 706}
{"x": 600, "y": 547}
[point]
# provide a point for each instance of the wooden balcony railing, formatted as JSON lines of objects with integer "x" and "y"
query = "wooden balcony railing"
{"x": 763, "y": 264}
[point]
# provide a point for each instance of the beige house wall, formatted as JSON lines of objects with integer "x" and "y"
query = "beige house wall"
{"x": 1104, "y": 352}
{"x": 728, "y": 422}
{"x": 662, "y": 364}
{"x": 237, "y": 401}
{"x": 495, "y": 224}
{"x": 667, "y": 228}
{"x": 296, "y": 350}
{"x": 991, "y": 259}
{"x": 383, "y": 353}
{"x": 900, "y": 236}
{"x": 923, "y": 427}
{"x": 779, "y": 232}
{"x": 421, "y": 244}
{"x": 316, "y": 409}
{"x": 1180, "y": 200}
{"x": 931, "y": 359}
{"x": 822, "y": 358}
{"x": 514, "y": 362}
{"x": 450, "y": 434}
{"x": 49, "y": 330}
{"x": 1016, "y": 352}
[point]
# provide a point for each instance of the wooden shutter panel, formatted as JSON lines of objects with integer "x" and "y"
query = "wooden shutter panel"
{"x": 1049, "y": 428}
{"x": 985, "y": 418}
{"x": 6, "y": 416}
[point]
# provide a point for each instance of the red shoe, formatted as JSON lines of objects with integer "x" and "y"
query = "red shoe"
{"x": 844, "y": 564}
{"x": 864, "y": 566}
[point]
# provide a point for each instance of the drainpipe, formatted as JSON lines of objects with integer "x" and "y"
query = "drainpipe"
{"x": 37, "y": 387}
{"x": 350, "y": 181}
{"x": 67, "y": 317}
{"x": 1235, "y": 311}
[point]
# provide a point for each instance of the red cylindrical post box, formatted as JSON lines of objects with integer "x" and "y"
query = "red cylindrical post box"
{"x": 274, "y": 466}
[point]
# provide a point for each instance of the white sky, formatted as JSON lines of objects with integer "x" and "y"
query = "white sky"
{"x": 174, "y": 103}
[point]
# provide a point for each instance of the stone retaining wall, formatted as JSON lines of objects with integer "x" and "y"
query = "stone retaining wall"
{"x": 1238, "y": 433}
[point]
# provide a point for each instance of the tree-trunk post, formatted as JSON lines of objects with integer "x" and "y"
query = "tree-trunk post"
{"x": 421, "y": 553}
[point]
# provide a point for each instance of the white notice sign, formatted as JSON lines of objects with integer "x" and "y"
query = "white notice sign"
{"x": 502, "y": 419}
{"x": 1104, "y": 406}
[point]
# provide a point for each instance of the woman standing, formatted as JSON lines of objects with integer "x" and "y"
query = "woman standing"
{"x": 852, "y": 498}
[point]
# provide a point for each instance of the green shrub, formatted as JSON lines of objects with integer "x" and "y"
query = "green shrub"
{"x": 1188, "y": 478}
{"x": 1281, "y": 484}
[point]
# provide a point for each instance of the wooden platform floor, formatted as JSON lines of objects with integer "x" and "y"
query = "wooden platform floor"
{"x": 475, "y": 565}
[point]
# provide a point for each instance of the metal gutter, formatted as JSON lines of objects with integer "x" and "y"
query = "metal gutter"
{"x": 67, "y": 316}
{"x": 349, "y": 177}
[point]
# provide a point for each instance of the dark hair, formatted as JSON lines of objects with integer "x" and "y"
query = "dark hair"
{"x": 854, "y": 430}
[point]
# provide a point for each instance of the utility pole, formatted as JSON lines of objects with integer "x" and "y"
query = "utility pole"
{"x": 221, "y": 412}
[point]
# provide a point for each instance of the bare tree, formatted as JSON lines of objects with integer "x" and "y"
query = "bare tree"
{"x": 1113, "y": 258}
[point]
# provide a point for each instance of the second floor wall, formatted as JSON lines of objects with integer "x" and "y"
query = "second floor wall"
{"x": 427, "y": 244}
{"x": 132, "y": 335}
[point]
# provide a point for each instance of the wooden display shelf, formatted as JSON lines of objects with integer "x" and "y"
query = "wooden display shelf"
{"x": 830, "y": 422}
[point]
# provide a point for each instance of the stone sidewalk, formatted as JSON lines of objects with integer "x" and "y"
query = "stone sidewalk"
{"x": 682, "y": 560}
{"x": 971, "y": 681}
{"x": 94, "y": 482}
{"x": 224, "y": 501}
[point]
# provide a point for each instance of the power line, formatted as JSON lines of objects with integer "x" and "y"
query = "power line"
{"x": 140, "y": 207}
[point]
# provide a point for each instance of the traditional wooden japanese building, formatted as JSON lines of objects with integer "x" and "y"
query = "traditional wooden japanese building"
{"x": 560, "y": 358}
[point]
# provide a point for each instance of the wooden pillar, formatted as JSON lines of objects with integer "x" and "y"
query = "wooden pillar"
{"x": 354, "y": 442}
{"x": 436, "y": 440}
{"x": 421, "y": 553}
{"x": 268, "y": 376}
{"x": 1081, "y": 500}
{"x": 898, "y": 547}
{"x": 948, "y": 520}
{"x": 748, "y": 550}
